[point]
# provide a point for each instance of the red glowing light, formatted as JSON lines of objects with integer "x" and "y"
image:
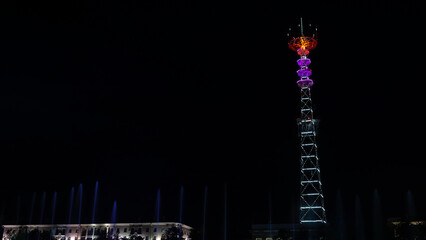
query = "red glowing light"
{"x": 305, "y": 43}
{"x": 303, "y": 51}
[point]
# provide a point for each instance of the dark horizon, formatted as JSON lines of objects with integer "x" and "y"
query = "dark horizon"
{"x": 192, "y": 209}
{"x": 154, "y": 95}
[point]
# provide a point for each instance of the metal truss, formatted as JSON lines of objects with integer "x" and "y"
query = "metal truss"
{"x": 311, "y": 196}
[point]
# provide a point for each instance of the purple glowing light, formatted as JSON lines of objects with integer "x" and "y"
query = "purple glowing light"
{"x": 304, "y": 72}
{"x": 304, "y": 62}
{"x": 305, "y": 83}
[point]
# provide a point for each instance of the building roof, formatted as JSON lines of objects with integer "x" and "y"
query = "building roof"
{"x": 97, "y": 225}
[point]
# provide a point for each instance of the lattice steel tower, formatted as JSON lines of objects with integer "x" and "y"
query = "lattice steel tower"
{"x": 311, "y": 196}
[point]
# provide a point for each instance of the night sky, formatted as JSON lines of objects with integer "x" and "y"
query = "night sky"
{"x": 147, "y": 95}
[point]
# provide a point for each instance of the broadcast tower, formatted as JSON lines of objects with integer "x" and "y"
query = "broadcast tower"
{"x": 311, "y": 196}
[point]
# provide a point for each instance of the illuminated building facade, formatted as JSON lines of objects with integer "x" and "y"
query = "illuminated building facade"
{"x": 117, "y": 231}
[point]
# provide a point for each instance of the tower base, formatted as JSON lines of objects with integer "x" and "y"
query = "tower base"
{"x": 312, "y": 231}
{"x": 308, "y": 231}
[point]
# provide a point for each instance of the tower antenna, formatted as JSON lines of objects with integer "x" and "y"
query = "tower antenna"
{"x": 301, "y": 26}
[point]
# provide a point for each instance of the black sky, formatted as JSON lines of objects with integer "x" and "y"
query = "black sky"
{"x": 141, "y": 95}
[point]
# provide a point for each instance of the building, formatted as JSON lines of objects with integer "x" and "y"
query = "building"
{"x": 118, "y": 231}
{"x": 288, "y": 231}
{"x": 404, "y": 229}
{"x": 272, "y": 231}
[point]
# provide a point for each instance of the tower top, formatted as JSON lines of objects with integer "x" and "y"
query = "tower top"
{"x": 305, "y": 40}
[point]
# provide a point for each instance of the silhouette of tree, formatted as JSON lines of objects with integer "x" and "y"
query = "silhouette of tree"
{"x": 173, "y": 233}
{"x": 33, "y": 234}
{"x": 21, "y": 234}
